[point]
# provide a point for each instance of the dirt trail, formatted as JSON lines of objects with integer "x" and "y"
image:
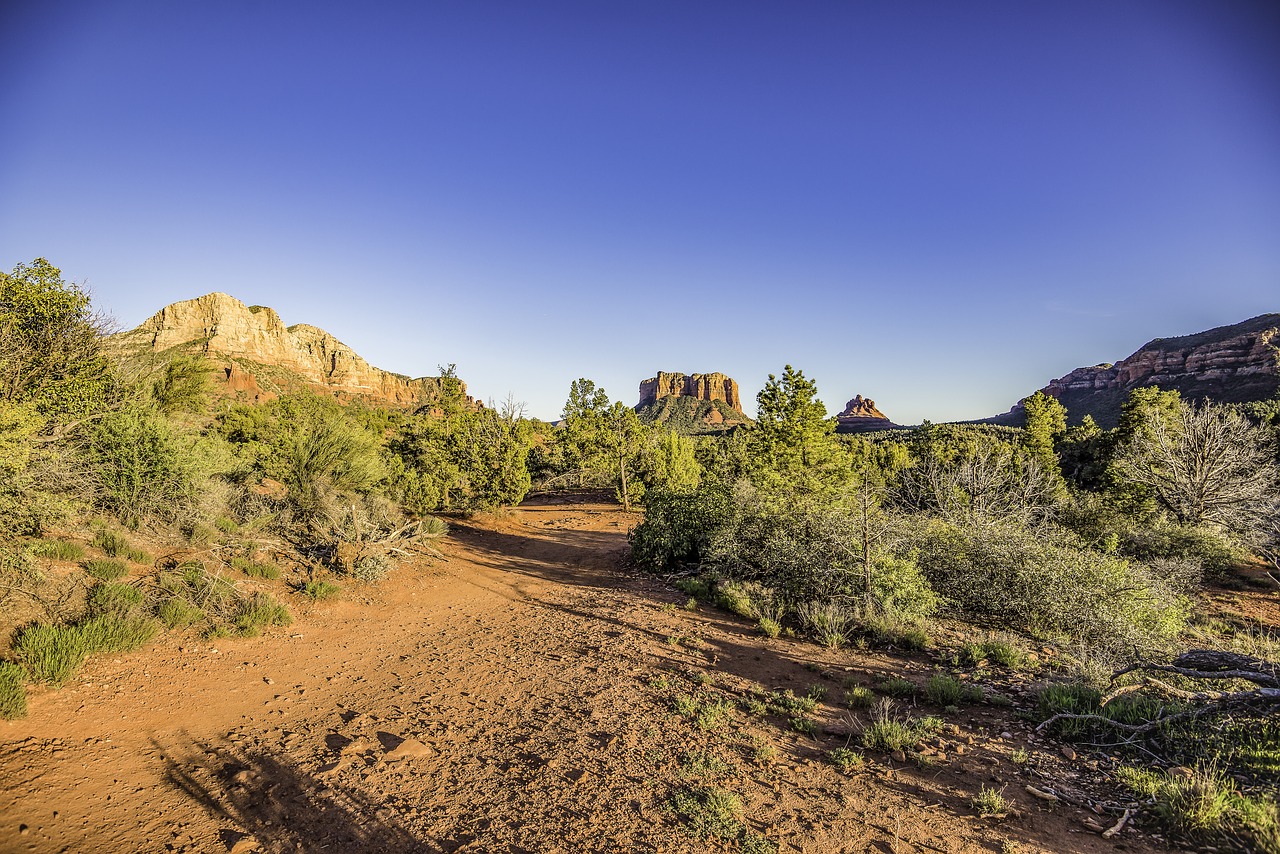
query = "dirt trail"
{"x": 514, "y": 697}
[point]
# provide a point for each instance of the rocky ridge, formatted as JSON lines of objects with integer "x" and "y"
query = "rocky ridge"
{"x": 259, "y": 355}
{"x": 860, "y": 415}
{"x": 1229, "y": 364}
{"x": 713, "y": 386}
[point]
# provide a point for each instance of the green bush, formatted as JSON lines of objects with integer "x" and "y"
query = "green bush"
{"x": 371, "y": 568}
{"x": 1047, "y": 584}
{"x": 678, "y": 527}
{"x": 708, "y": 813}
{"x": 140, "y": 466}
{"x": 13, "y": 691}
{"x": 105, "y": 570}
{"x": 845, "y": 759}
{"x": 113, "y": 543}
{"x": 259, "y": 612}
{"x": 57, "y": 550}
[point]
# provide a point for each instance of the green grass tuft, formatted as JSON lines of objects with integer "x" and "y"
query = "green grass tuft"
{"x": 56, "y": 550}
{"x": 106, "y": 570}
{"x": 259, "y": 612}
{"x": 13, "y": 691}
{"x": 318, "y": 591}
{"x": 256, "y": 569}
{"x": 50, "y": 652}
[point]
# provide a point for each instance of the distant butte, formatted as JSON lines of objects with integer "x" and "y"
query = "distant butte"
{"x": 691, "y": 403}
{"x": 860, "y": 416}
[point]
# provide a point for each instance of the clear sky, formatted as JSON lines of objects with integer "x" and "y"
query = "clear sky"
{"x": 938, "y": 205}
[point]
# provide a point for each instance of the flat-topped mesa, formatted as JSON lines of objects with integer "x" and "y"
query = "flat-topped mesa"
{"x": 861, "y": 415}
{"x": 713, "y": 386}
{"x": 242, "y": 337}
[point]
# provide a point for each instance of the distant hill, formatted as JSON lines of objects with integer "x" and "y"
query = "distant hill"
{"x": 860, "y": 415}
{"x": 691, "y": 403}
{"x": 1228, "y": 364}
{"x": 261, "y": 358}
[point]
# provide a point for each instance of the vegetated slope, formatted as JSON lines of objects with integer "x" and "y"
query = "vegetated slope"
{"x": 1228, "y": 364}
{"x": 524, "y": 694}
{"x": 692, "y": 416}
{"x": 260, "y": 357}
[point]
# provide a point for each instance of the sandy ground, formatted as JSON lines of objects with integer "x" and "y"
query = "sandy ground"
{"x": 515, "y": 697}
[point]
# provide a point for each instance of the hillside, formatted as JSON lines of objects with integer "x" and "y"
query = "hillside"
{"x": 1228, "y": 364}
{"x": 260, "y": 357}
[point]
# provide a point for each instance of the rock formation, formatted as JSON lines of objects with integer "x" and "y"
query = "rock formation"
{"x": 860, "y": 415}
{"x": 714, "y": 386}
{"x": 259, "y": 355}
{"x": 1229, "y": 364}
{"x": 693, "y": 403}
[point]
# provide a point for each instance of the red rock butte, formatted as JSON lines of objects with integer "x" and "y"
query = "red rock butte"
{"x": 713, "y": 386}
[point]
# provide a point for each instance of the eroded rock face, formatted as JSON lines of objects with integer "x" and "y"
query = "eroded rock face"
{"x": 1228, "y": 364}
{"x": 860, "y": 415}
{"x": 713, "y": 386}
{"x": 220, "y": 325}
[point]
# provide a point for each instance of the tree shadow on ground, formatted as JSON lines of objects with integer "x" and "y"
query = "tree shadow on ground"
{"x": 281, "y": 807}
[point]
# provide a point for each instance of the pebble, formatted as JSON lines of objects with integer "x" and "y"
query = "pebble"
{"x": 268, "y": 680}
{"x": 1068, "y": 753}
{"x": 898, "y": 756}
{"x": 410, "y": 748}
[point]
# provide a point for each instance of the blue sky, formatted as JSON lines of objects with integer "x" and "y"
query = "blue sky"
{"x": 937, "y": 205}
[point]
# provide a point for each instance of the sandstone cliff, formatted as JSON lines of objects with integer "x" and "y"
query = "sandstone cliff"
{"x": 714, "y": 386}
{"x": 693, "y": 403}
{"x": 260, "y": 356}
{"x": 1229, "y": 364}
{"x": 861, "y": 415}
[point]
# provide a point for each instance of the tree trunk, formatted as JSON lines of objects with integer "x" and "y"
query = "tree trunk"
{"x": 622, "y": 471}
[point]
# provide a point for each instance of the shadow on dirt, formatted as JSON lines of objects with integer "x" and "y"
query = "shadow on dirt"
{"x": 280, "y": 807}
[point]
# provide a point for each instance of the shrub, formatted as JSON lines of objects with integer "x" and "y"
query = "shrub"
{"x": 771, "y": 628}
{"x": 1205, "y": 804}
{"x": 678, "y": 527}
{"x": 226, "y": 525}
{"x": 256, "y": 569}
{"x": 1048, "y": 584}
{"x": 320, "y": 590}
{"x": 13, "y": 691}
{"x": 889, "y": 732}
{"x": 371, "y": 568}
{"x": 896, "y": 686}
{"x": 258, "y": 612}
{"x": 139, "y": 466}
{"x": 57, "y": 550}
{"x": 51, "y": 652}
{"x": 106, "y": 570}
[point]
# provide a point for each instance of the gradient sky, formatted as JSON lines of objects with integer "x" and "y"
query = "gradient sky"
{"x": 939, "y": 205}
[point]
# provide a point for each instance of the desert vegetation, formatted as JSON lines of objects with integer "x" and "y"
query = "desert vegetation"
{"x": 136, "y": 500}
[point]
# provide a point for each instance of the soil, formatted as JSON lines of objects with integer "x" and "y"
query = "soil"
{"x": 516, "y": 696}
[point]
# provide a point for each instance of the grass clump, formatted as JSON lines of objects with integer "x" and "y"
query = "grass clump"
{"x": 258, "y": 612}
{"x": 943, "y": 690}
{"x": 116, "y": 632}
{"x": 56, "y": 550}
{"x": 110, "y": 597}
{"x": 113, "y": 543}
{"x": 787, "y": 703}
{"x": 802, "y": 725}
{"x": 318, "y": 591}
{"x": 178, "y": 613}
{"x": 13, "y": 691}
{"x": 708, "y": 812}
{"x": 371, "y": 568}
{"x": 998, "y": 652}
{"x": 256, "y": 569}
{"x": 889, "y": 732}
{"x": 1204, "y": 805}
{"x": 106, "y": 570}
{"x": 859, "y": 697}
{"x": 895, "y": 686}
{"x": 846, "y": 760}
{"x": 770, "y": 627}
{"x": 990, "y": 803}
{"x": 226, "y": 525}
{"x": 51, "y": 652}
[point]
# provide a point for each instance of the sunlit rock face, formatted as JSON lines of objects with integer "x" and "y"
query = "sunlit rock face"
{"x": 1229, "y": 364}
{"x": 229, "y": 332}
